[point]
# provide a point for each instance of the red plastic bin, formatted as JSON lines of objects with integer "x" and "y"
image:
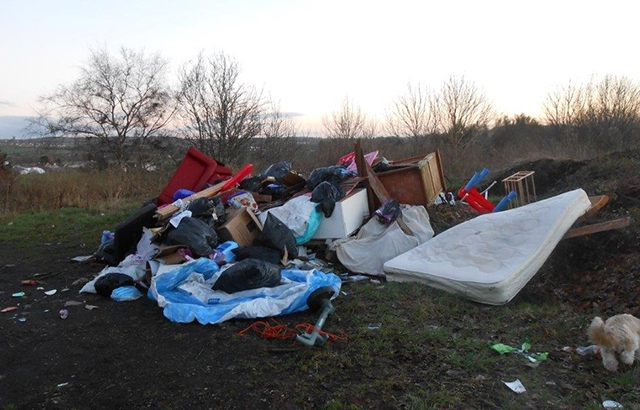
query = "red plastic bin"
{"x": 194, "y": 173}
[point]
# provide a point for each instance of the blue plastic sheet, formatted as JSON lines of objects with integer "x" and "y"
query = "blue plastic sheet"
{"x": 185, "y": 294}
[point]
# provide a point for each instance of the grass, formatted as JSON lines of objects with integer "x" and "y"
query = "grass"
{"x": 86, "y": 225}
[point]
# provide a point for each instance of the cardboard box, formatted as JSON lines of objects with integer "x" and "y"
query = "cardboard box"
{"x": 414, "y": 181}
{"x": 349, "y": 215}
{"x": 242, "y": 227}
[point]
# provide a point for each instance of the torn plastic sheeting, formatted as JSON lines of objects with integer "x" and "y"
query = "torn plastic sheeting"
{"x": 185, "y": 294}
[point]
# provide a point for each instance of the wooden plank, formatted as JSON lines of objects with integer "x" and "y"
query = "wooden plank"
{"x": 166, "y": 211}
{"x": 599, "y": 227}
{"x": 597, "y": 203}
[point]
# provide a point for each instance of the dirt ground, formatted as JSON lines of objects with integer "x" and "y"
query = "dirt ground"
{"x": 127, "y": 355}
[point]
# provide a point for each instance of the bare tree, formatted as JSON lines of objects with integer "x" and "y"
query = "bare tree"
{"x": 279, "y": 137}
{"x": 219, "y": 114}
{"x": 564, "y": 105}
{"x": 462, "y": 113}
{"x": 348, "y": 123}
{"x": 118, "y": 100}
{"x": 601, "y": 116}
{"x": 412, "y": 114}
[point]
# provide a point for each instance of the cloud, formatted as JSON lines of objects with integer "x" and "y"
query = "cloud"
{"x": 7, "y": 103}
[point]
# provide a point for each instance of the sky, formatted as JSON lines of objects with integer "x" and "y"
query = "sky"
{"x": 311, "y": 55}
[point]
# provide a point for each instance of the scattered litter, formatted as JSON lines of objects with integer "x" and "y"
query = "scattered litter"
{"x": 80, "y": 281}
{"x": 523, "y": 350}
{"x": 81, "y": 259}
{"x": 19, "y": 294}
{"x": 516, "y": 386}
{"x": 72, "y": 303}
{"x": 39, "y": 288}
{"x": 65, "y": 290}
{"x": 355, "y": 278}
{"x": 583, "y": 350}
{"x": 8, "y": 309}
{"x": 22, "y": 319}
{"x": 610, "y": 404}
{"x": 29, "y": 282}
{"x": 63, "y": 384}
{"x": 90, "y": 307}
{"x": 51, "y": 292}
{"x": 63, "y": 313}
{"x": 374, "y": 326}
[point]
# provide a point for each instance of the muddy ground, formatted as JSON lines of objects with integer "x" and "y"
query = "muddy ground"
{"x": 127, "y": 355}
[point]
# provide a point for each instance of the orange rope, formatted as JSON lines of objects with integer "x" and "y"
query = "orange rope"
{"x": 268, "y": 331}
{"x": 280, "y": 331}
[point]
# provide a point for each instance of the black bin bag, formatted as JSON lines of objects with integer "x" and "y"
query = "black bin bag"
{"x": 106, "y": 284}
{"x": 195, "y": 233}
{"x": 276, "y": 235}
{"x": 248, "y": 274}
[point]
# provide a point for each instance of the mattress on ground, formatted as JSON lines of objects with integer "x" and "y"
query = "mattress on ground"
{"x": 491, "y": 257}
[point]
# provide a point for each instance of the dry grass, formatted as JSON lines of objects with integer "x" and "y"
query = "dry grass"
{"x": 76, "y": 188}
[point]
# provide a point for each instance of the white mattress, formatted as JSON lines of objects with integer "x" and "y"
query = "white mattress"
{"x": 490, "y": 258}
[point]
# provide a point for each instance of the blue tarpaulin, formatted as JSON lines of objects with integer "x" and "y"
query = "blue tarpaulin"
{"x": 185, "y": 294}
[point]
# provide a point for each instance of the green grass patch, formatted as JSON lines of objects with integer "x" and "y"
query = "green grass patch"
{"x": 86, "y": 225}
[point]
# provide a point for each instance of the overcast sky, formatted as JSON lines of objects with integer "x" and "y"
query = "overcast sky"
{"x": 310, "y": 55}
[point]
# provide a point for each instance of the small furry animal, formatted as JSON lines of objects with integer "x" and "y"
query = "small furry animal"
{"x": 619, "y": 334}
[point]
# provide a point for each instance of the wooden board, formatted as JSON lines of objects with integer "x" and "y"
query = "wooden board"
{"x": 599, "y": 227}
{"x": 597, "y": 203}
{"x": 166, "y": 211}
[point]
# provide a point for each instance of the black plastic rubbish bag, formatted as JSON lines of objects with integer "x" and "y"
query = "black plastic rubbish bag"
{"x": 105, "y": 284}
{"x": 262, "y": 253}
{"x": 248, "y": 274}
{"x": 334, "y": 174}
{"x": 326, "y": 195}
{"x": 276, "y": 235}
{"x": 107, "y": 253}
{"x": 251, "y": 184}
{"x": 278, "y": 170}
{"x": 195, "y": 233}
{"x": 208, "y": 209}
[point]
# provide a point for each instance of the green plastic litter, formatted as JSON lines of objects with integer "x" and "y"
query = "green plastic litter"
{"x": 504, "y": 349}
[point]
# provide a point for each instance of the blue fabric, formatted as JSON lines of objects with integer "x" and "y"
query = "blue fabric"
{"x": 312, "y": 226}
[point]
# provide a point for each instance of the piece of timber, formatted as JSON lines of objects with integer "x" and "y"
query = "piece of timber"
{"x": 166, "y": 211}
{"x": 599, "y": 227}
{"x": 597, "y": 203}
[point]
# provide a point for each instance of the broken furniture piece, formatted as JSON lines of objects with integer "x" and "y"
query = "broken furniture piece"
{"x": 194, "y": 173}
{"x": 523, "y": 184}
{"x": 414, "y": 181}
{"x": 469, "y": 193}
